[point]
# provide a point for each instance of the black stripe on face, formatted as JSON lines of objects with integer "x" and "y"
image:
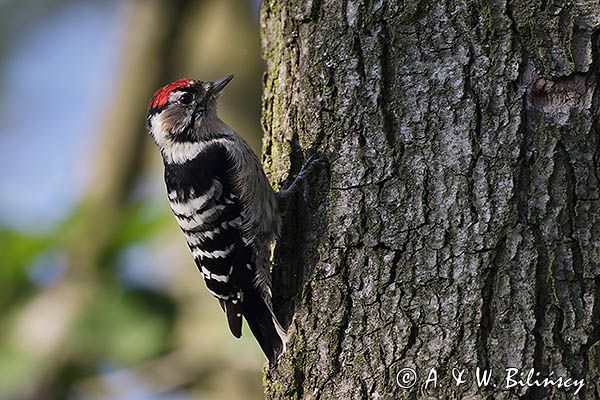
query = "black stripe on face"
{"x": 185, "y": 136}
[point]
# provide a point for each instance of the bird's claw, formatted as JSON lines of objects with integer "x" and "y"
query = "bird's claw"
{"x": 308, "y": 166}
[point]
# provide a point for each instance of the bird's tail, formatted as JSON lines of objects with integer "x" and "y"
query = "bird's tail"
{"x": 264, "y": 325}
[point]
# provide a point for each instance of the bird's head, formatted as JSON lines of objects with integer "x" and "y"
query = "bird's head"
{"x": 184, "y": 110}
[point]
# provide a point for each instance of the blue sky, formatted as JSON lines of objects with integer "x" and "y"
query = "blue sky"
{"x": 55, "y": 80}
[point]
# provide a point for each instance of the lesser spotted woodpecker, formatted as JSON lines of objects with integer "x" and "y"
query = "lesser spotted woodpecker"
{"x": 223, "y": 202}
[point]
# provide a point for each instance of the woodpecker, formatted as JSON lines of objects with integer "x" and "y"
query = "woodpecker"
{"x": 223, "y": 203}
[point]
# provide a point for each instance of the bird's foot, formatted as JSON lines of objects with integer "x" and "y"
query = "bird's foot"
{"x": 308, "y": 167}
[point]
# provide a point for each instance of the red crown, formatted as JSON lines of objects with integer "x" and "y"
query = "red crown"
{"x": 162, "y": 95}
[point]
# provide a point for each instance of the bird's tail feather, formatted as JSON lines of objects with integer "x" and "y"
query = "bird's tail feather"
{"x": 264, "y": 325}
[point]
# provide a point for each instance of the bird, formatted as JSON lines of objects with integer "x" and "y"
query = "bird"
{"x": 223, "y": 203}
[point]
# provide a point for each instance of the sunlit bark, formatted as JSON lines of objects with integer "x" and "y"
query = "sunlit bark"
{"x": 458, "y": 224}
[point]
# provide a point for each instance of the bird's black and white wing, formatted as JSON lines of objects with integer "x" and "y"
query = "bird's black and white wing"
{"x": 210, "y": 210}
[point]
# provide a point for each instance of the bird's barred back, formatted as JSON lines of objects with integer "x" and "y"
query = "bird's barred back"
{"x": 208, "y": 213}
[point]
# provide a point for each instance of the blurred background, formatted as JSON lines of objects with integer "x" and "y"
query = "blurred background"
{"x": 99, "y": 296}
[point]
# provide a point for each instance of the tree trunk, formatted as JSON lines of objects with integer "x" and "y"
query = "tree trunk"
{"x": 458, "y": 224}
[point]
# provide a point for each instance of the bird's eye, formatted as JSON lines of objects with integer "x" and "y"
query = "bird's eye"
{"x": 185, "y": 99}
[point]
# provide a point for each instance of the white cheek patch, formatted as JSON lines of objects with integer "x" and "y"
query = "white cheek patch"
{"x": 160, "y": 131}
{"x": 173, "y": 152}
{"x": 157, "y": 130}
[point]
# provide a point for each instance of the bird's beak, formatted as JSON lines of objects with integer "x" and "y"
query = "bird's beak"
{"x": 219, "y": 84}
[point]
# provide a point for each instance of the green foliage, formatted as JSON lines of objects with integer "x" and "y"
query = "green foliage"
{"x": 16, "y": 367}
{"x": 119, "y": 326}
{"x": 140, "y": 222}
{"x": 123, "y": 327}
{"x": 18, "y": 250}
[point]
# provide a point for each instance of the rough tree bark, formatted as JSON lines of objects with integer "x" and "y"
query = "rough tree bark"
{"x": 458, "y": 223}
